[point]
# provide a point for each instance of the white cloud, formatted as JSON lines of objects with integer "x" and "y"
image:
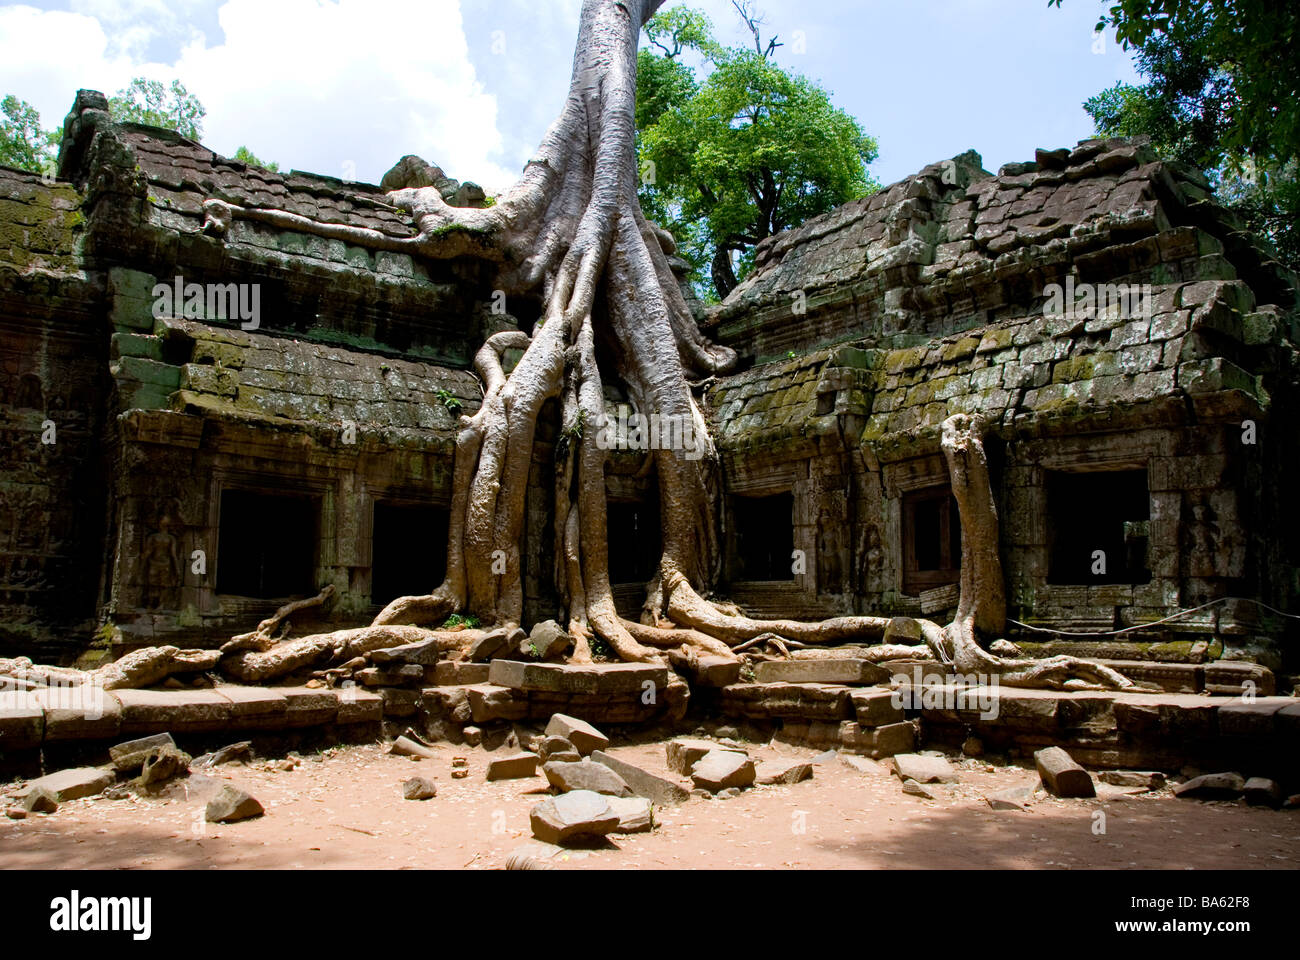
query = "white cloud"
{"x": 339, "y": 88}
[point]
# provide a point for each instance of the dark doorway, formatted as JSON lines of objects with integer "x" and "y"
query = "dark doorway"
{"x": 266, "y": 545}
{"x": 931, "y": 540}
{"x": 764, "y": 537}
{"x": 1098, "y": 520}
{"x": 408, "y": 550}
{"x": 634, "y": 539}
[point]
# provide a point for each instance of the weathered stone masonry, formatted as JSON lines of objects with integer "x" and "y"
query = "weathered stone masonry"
{"x": 859, "y": 333}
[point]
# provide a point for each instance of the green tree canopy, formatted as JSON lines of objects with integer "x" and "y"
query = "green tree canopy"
{"x": 23, "y": 144}
{"x": 1222, "y": 93}
{"x": 749, "y": 150}
{"x": 244, "y": 155}
{"x": 148, "y": 101}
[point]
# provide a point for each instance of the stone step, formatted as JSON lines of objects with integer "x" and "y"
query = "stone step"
{"x": 849, "y": 671}
{"x": 593, "y": 678}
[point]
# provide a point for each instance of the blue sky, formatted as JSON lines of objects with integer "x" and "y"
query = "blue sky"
{"x": 346, "y": 87}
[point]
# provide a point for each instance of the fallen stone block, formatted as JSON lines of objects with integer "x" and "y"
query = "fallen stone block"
{"x": 719, "y": 769}
{"x": 593, "y": 678}
{"x": 683, "y": 754}
{"x": 586, "y": 775}
{"x": 1211, "y": 786}
{"x": 1146, "y": 779}
{"x": 865, "y": 765}
{"x": 1013, "y": 799}
{"x": 820, "y": 671}
{"x": 406, "y": 747}
{"x": 584, "y": 737}
{"x": 635, "y": 814}
{"x": 923, "y": 769}
{"x": 419, "y": 788}
{"x": 514, "y": 767}
{"x": 878, "y": 742}
{"x": 72, "y": 784}
{"x": 131, "y": 755}
{"x": 15, "y": 813}
{"x": 1262, "y": 792}
{"x": 556, "y": 748}
{"x": 644, "y": 784}
{"x": 1061, "y": 775}
{"x": 493, "y": 643}
{"x": 241, "y": 751}
{"x": 571, "y": 816}
{"x": 231, "y": 805}
{"x": 547, "y": 640}
{"x": 163, "y": 764}
{"x": 772, "y": 772}
{"x": 40, "y": 800}
{"x": 912, "y": 788}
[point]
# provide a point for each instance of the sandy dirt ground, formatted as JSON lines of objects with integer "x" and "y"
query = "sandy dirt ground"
{"x": 343, "y": 808}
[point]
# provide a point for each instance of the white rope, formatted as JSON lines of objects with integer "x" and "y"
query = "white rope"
{"x": 1153, "y": 623}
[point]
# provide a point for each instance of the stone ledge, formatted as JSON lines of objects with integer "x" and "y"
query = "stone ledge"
{"x": 628, "y": 678}
{"x": 162, "y": 711}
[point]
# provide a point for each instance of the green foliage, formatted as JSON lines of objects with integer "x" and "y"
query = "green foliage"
{"x": 149, "y": 102}
{"x": 1220, "y": 94}
{"x": 23, "y": 144}
{"x": 747, "y": 151}
{"x": 467, "y": 620}
{"x": 449, "y": 399}
{"x": 244, "y": 155}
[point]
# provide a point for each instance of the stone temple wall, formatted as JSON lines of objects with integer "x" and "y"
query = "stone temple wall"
{"x": 858, "y": 333}
{"x": 867, "y": 327}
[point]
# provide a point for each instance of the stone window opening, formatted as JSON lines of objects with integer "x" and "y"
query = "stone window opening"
{"x": 1098, "y": 526}
{"x": 763, "y": 541}
{"x": 408, "y": 550}
{"x": 931, "y": 540}
{"x": 266, "y": 545}
{"x": 634, "y": 541}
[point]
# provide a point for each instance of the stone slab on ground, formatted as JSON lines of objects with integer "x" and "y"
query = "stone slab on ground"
{"x": 635, "y": 814}
{"x": 73, "y": 783}
{"x": 572, "y": 816}
{"x": 419, "y": 788}
{"x": 849, "y": 671}
{"x": 22, "y": 721}
{"x": 923, "y": 769}
{"x": 154, "y": 711}
{"x": 1261, "y": 791}
{"x": 585, "y": 775}
{"x": 1146, "y": 779}
{"x": 722, "y": 769}
{"x": 685, "y": 752}
{"x": 878, "y": 742}
{"x": 514, "y": 767}
{"x": 131, "y": 754}
{"x": 584, "y": 737}
{"x": 643, "y": 783}
{"x": 771, "y": 772}
{"x": 1061, "y": 775}
{"x": 231, "y": 805}
{"x": 1211, "y": 786}
{"x": 593, "y": 678}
